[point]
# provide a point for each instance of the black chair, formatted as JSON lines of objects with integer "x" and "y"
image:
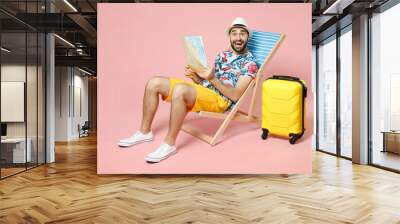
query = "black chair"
{"x": 84, "y": 130}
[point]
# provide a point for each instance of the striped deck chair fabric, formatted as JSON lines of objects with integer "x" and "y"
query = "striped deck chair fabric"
{"x": 261, "y": 45}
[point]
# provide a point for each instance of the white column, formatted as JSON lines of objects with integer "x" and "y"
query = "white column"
{"x": 360, "y": 90}
{"x": 50, "y": 92}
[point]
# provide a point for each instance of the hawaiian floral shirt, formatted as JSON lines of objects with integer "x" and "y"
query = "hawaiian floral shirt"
{"x": 229, "y": 67}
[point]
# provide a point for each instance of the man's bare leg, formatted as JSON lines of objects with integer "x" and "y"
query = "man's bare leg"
{"x": 183, "y": 99}
{"x": 155, "y": 86}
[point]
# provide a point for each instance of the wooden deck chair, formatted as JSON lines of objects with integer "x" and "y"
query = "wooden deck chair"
{"x": 262, "y": 45}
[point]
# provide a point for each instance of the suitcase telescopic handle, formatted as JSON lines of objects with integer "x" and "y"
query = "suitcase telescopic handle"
{"x": 286, "y": 77}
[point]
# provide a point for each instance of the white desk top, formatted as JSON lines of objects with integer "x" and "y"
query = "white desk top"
{"x": 13, "y": 140}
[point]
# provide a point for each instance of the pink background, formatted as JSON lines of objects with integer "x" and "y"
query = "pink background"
{"x": 138, "y": 41}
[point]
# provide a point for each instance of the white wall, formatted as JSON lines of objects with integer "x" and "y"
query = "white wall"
{"x": 80, "y": 83}
{"x": 62, "y": 81}
{"x": 69, "y": 82}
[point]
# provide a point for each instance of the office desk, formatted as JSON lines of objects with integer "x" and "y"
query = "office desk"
{"x": 391, "y": 141}
{"x": 13, "y": 150}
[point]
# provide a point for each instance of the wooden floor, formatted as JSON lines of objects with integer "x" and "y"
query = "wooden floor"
{"x": 387, "y": 159}
{"x": 5, "y": 172}
{"x": 70, "y": 191}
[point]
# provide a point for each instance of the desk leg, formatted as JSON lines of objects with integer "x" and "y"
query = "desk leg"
{"x": 384, "y": 142}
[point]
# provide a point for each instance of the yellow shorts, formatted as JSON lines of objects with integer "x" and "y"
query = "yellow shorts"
{"x": 206, "y": 99}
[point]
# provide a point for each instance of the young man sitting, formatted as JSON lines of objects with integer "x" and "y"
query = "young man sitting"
{"x": 213, "y": 89}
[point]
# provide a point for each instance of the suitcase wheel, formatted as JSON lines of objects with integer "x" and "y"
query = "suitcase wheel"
{"x": 264, "y": 134}
{"x": 293, "y": 138}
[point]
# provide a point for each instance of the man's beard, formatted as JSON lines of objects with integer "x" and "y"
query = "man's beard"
{"x": 241, "y": 49}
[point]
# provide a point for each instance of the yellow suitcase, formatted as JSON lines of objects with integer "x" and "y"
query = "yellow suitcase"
{"x": 283, "y": 107}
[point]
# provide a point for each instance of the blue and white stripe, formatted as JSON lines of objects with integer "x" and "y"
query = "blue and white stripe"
{"x": 261, "y": 44}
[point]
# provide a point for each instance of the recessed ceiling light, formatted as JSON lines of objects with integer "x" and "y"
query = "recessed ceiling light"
{"x": 338, "y": 6}
{"x": 5, "y": 50}
{"x": 70, "y": 5}
{"x": 64, "y": 40}
{"x": 84, "y": 71}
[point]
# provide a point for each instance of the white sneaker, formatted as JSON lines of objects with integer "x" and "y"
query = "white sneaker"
{"x": 163, "y": 152}
{"x": 136, "y": 138}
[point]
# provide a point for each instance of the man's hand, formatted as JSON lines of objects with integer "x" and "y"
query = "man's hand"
{"x": 192, "y": 75}
{"x": 204, "y": 73}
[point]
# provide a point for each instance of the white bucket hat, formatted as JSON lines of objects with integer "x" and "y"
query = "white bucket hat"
{"x": 238, "y": 22}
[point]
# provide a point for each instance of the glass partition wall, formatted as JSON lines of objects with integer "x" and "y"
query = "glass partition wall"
{"x": 334, "y": 105}
{"x": 22, "y": 88}
{"x": 385, "y": 90}
{"x": 345, "y": 93}
{"x": 334, "y": 85}
{"x": 327, "y": 95}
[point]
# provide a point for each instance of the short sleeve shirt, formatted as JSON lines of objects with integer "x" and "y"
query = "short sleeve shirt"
{"x": 229, "y": 67}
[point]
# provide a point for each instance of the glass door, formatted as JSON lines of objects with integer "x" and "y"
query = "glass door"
{"x": 385, "y": 89}
{"x": 346, "y": 92}
{"x": 22, "y": 77}
{"x": 326, "y": 98}
{"x": 14, "y": 153}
